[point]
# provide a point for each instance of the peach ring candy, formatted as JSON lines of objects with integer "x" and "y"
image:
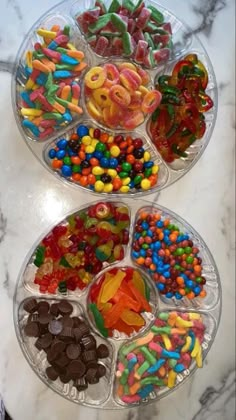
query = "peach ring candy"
{"x": 132, "y": 119}
{"x": 113, "y": 76}
{"x": 101, "y": 97}
{"x": 95, "y": 77}
{"x": 130, "y": 79}
{"x": 151, "y": 101}
{"x": 120, "y": 95}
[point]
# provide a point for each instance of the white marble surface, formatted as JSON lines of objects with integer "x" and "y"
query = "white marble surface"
{"x": 31, "y": 199}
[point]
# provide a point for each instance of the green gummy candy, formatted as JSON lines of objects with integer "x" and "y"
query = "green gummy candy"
{"x": 66, "y": 30}
{"x": 148, "y": 356}
{"x": 98, "y": 318}
{"x": 100, "y": 23}
{"x": 64, "y": 67}
{"x": 71, "y": 221}
{"x": 49, "y": 81}
{"x": 149, "y": 40}
{"x": 52, "y": 116}
{"x": 118, "y": 23}
{"x": 127, "y": 44}
{"x": 127, "y": 4}
{"x": 124, "y": 377}
{"x": 114, "y": 6}
{"x": 161, "y": 330}
{"x": 164, "y": 316}
{"x": 62, "y": 102}
{"x": 101, "y": 254}
{"x": 172, "y": 363}
{"x": 143, "y": 368}
{"x": 152, "y": 380}
{"x": 64, "y": 262}
{"x": 156, "y": 15}
{"x": 39, "y": 256}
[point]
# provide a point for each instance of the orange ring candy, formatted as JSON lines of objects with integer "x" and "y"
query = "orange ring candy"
{"x": 95, "y": 77}
{"x": 113, "y": 75}
{"x": 101, "y": 97}
{"x": 127, "y": 65}
{"x": 110, "y": 121}
{"x": 132, "y": 119}
{"x": 120, "y": 95}
{"x": 151, "y": 101}
{"x": 130, "y": 79}
{"x": 136, "y": 100}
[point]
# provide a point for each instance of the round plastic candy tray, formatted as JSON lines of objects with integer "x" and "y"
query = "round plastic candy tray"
{"x": 184, "y": 42}
{"x": 104, "y": 394}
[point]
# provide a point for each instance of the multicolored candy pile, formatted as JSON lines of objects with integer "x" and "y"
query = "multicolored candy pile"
{"x": 117, "y": 95}
{"x": 50, "y": 97}
{"x": 127, "y": 29}
{"x": 103, "y": 162}
{"x": 118, "y": 299}
{"x": 169, "y": 256}
{"x": 179, "y": 120}
{"x": 154, "y": 360}
{"x": 76, "y": 250}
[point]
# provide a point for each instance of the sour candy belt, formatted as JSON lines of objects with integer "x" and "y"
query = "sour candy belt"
{"x": 50, "y": 96}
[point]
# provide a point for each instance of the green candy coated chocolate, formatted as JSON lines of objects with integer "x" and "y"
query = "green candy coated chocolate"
{"x": 126, "y": 166}
{"x": 67, "y": 160}
{"x": 188, "y": 250}
{"x": 179, "y": 251}
{"x": 76, "y": 169}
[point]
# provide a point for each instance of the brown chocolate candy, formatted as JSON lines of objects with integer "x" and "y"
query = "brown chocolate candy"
{"x": 88, "y": 342}
{"x": 33, "y": 318}
{"x": 32, "y": 329}
{"x": 91, "y": 376}
{"x": 102, "y": 351}
{"x": 55, "y": 327}
{"x": 101, "y": 371}
{"x": 73, "y": 351}
{"x": 67, "y": 321}
{"x": 65, "y": 377}
{"x": 89, "y": 356}
{"x": 80, "y": 331}
{"x": 62, "y": 360}
{"x": 45, "y": 341}
{"x": 58, "y": 346}
{"x": 76, "y": 369}
{"x": 76, "y": 321}
{"x": 30, "y": 305}
{"x": 54, "y": 309}
{"x": 51, "y": 373}
{"x": 65, "y": 308}
{"x": 44, "y": 318}
{"x": 51, "y": 355}
{"x": 43, "y": 307}
{"x": 80, "y": 384}
{"x": 67, "y": 335}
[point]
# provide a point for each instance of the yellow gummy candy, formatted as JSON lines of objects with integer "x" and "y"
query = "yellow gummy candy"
{"x": 171, "y": 378}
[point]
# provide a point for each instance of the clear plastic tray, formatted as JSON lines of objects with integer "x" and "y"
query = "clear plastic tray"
{"x": 184, "y": 42}
{"x": 104, "y": 395}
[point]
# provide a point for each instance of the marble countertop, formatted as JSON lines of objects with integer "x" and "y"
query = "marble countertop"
{"x": 31, "y": 199}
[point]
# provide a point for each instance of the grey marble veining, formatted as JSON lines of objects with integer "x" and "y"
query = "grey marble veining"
{"x": 31, "y": 199}
{"x": 207, "y": 11}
